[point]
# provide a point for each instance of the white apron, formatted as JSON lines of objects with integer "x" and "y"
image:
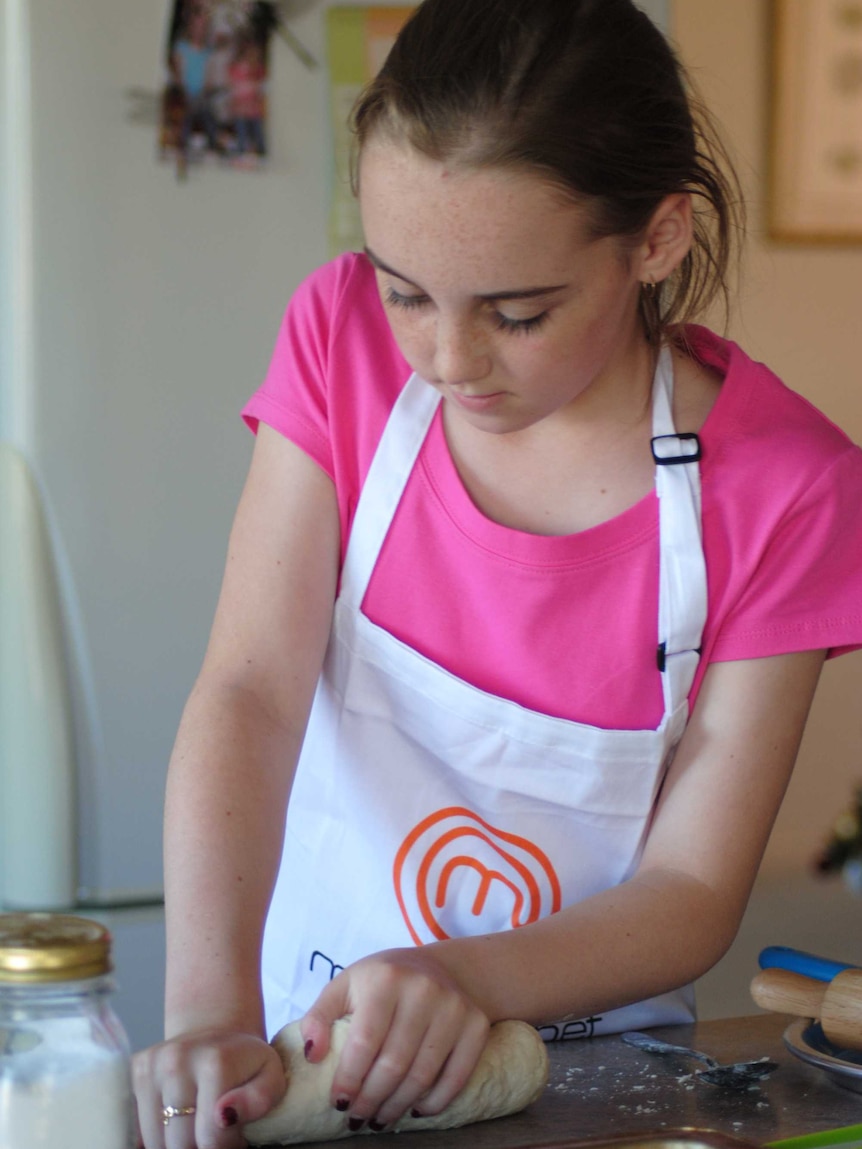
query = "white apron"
{"x": 424, "y": 808}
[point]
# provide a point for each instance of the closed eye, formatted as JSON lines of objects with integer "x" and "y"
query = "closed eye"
{"x": 396, "y": 299}
{"x": 502, "y": 322}
{"x": 522, "y": 326}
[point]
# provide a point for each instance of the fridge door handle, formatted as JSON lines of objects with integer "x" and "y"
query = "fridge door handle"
{"x": 38, "y": 857}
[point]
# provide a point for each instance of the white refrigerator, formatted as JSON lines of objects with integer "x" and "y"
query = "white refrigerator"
{"x": 137, "y": 312}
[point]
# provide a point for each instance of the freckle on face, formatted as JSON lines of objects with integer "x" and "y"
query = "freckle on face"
{"x": 457, "y": 235}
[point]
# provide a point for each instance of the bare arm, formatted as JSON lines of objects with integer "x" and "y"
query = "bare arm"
{"x": 233, "y": 764}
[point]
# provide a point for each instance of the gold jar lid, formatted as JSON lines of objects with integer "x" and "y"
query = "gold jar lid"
{"x": 40, "y": 947}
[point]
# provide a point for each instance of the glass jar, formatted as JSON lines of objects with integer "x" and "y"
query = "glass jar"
{"x": 65, "y": 1079}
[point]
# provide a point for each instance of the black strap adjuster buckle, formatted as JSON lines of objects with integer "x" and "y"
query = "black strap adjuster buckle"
{"x": 691, "y": 455}
{"x": 661, "y": 655}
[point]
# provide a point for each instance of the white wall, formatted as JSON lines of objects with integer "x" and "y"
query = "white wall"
{"x": 799, "y": 311}
{"x": 658, "y": 10}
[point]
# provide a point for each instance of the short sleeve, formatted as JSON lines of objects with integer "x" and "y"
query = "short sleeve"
{"x": 293, "y": 398}
{"x": 334, "y": 376}
{"x": 805, "y": 592}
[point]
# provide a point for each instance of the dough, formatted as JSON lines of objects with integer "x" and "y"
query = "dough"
{"x": 512, "y": 1072}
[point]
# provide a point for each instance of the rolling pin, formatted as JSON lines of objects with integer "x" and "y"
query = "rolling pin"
{"x": 800, "y": 961}
{"x": 836, "y": 1004}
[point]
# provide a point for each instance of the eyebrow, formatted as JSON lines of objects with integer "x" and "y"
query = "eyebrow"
{"x": 491, "y": 296}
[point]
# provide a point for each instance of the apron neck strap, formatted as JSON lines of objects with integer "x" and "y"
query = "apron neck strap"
{"x": 384, "y": 485}
{"x": 682, "y": 575}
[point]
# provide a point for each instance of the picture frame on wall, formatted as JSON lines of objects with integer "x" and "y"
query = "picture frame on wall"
{"x": 815, "y": 191}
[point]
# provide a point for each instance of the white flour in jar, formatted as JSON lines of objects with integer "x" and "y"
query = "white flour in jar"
{"x": 89, "y": 1108}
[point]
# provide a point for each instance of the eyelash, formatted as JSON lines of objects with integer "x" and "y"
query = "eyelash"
{"x": 522, "y": 326}
{"x": 504, "y": 323}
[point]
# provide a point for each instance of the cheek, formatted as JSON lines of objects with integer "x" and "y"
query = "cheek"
{"x": 552, "y": 358}
{"x": 414, "y": 338}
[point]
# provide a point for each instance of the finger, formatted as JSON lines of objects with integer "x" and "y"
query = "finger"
{"x": 402, "y": 1075}
{"x": 316, "y": 1035}
{"x": 458, "y": 1068}
{"x": 255, "y": 1098}
{"x": 365, "y": 1040}
{"x": 316, "y": 1027}
{"x": 223, "y": 1106}
{"x": 422, "y": 1032}
{"x": 448, "y": 1024}
{"x": 179, "y": 1127}
{"x": 368, "y": 1029}
{"x": 148, "y": 1098}
{"x": 137, "y": 1135}
{"x": 214, "y": 1127}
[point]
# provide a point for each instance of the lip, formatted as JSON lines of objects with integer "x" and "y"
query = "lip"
{"x": 476, "y": 402}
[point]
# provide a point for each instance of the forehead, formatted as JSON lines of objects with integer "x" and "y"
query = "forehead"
{"x": 419, "y": 212}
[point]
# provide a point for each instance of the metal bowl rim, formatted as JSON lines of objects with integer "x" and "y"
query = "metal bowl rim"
{"x": 798, "y": 1042}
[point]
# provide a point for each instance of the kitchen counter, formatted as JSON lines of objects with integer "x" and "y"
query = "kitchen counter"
{"x": 600, "y": 1088}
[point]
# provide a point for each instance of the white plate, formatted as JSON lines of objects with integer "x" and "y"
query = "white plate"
{"x": 807, "y": 1041}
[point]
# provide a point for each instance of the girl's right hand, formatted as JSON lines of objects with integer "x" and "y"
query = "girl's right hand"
{"x": 228, "y": 1078}
{"x": 414, "y": 1039}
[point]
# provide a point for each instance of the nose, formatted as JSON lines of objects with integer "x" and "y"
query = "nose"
{"x": 460, "y": 353}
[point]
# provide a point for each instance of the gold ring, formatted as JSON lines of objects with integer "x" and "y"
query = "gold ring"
{"x": 170, "y": 1111}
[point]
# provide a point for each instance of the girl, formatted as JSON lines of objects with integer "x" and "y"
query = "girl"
{"x": 526, "y": 600}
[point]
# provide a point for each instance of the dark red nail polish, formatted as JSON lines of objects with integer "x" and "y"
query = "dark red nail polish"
{"x": 376, "y": 1126}
{"x": 416, "y": 1113}
{"x": 355, "y": 1124}
{"x": 342, "y": 1104}
{"x": 229, "y": 1116}
{"x": 309, "y": 1045}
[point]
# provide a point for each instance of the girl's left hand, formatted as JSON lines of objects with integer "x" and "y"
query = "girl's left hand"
{"x": 414, "y": 1039}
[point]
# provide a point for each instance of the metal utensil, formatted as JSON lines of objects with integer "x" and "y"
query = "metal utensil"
{"x": 739, "y": 1075}
{"x": 807, "y": 1041}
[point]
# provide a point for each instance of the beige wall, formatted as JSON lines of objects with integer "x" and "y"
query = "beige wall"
{"x": 800, "y": 311}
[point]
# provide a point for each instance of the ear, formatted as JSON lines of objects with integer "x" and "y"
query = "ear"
{"x": 667, "y": 239}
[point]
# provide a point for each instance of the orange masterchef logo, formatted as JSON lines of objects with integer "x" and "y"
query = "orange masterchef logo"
{"x": 456, "y": 874}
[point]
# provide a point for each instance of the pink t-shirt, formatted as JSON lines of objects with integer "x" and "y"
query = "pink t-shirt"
{"x": 567, "y": 625}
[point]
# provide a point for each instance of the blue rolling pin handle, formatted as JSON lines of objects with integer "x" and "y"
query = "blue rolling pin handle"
{"x": 809, "y": 965}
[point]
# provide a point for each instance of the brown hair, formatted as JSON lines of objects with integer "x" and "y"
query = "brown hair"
{"x": 586, "y": 92}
